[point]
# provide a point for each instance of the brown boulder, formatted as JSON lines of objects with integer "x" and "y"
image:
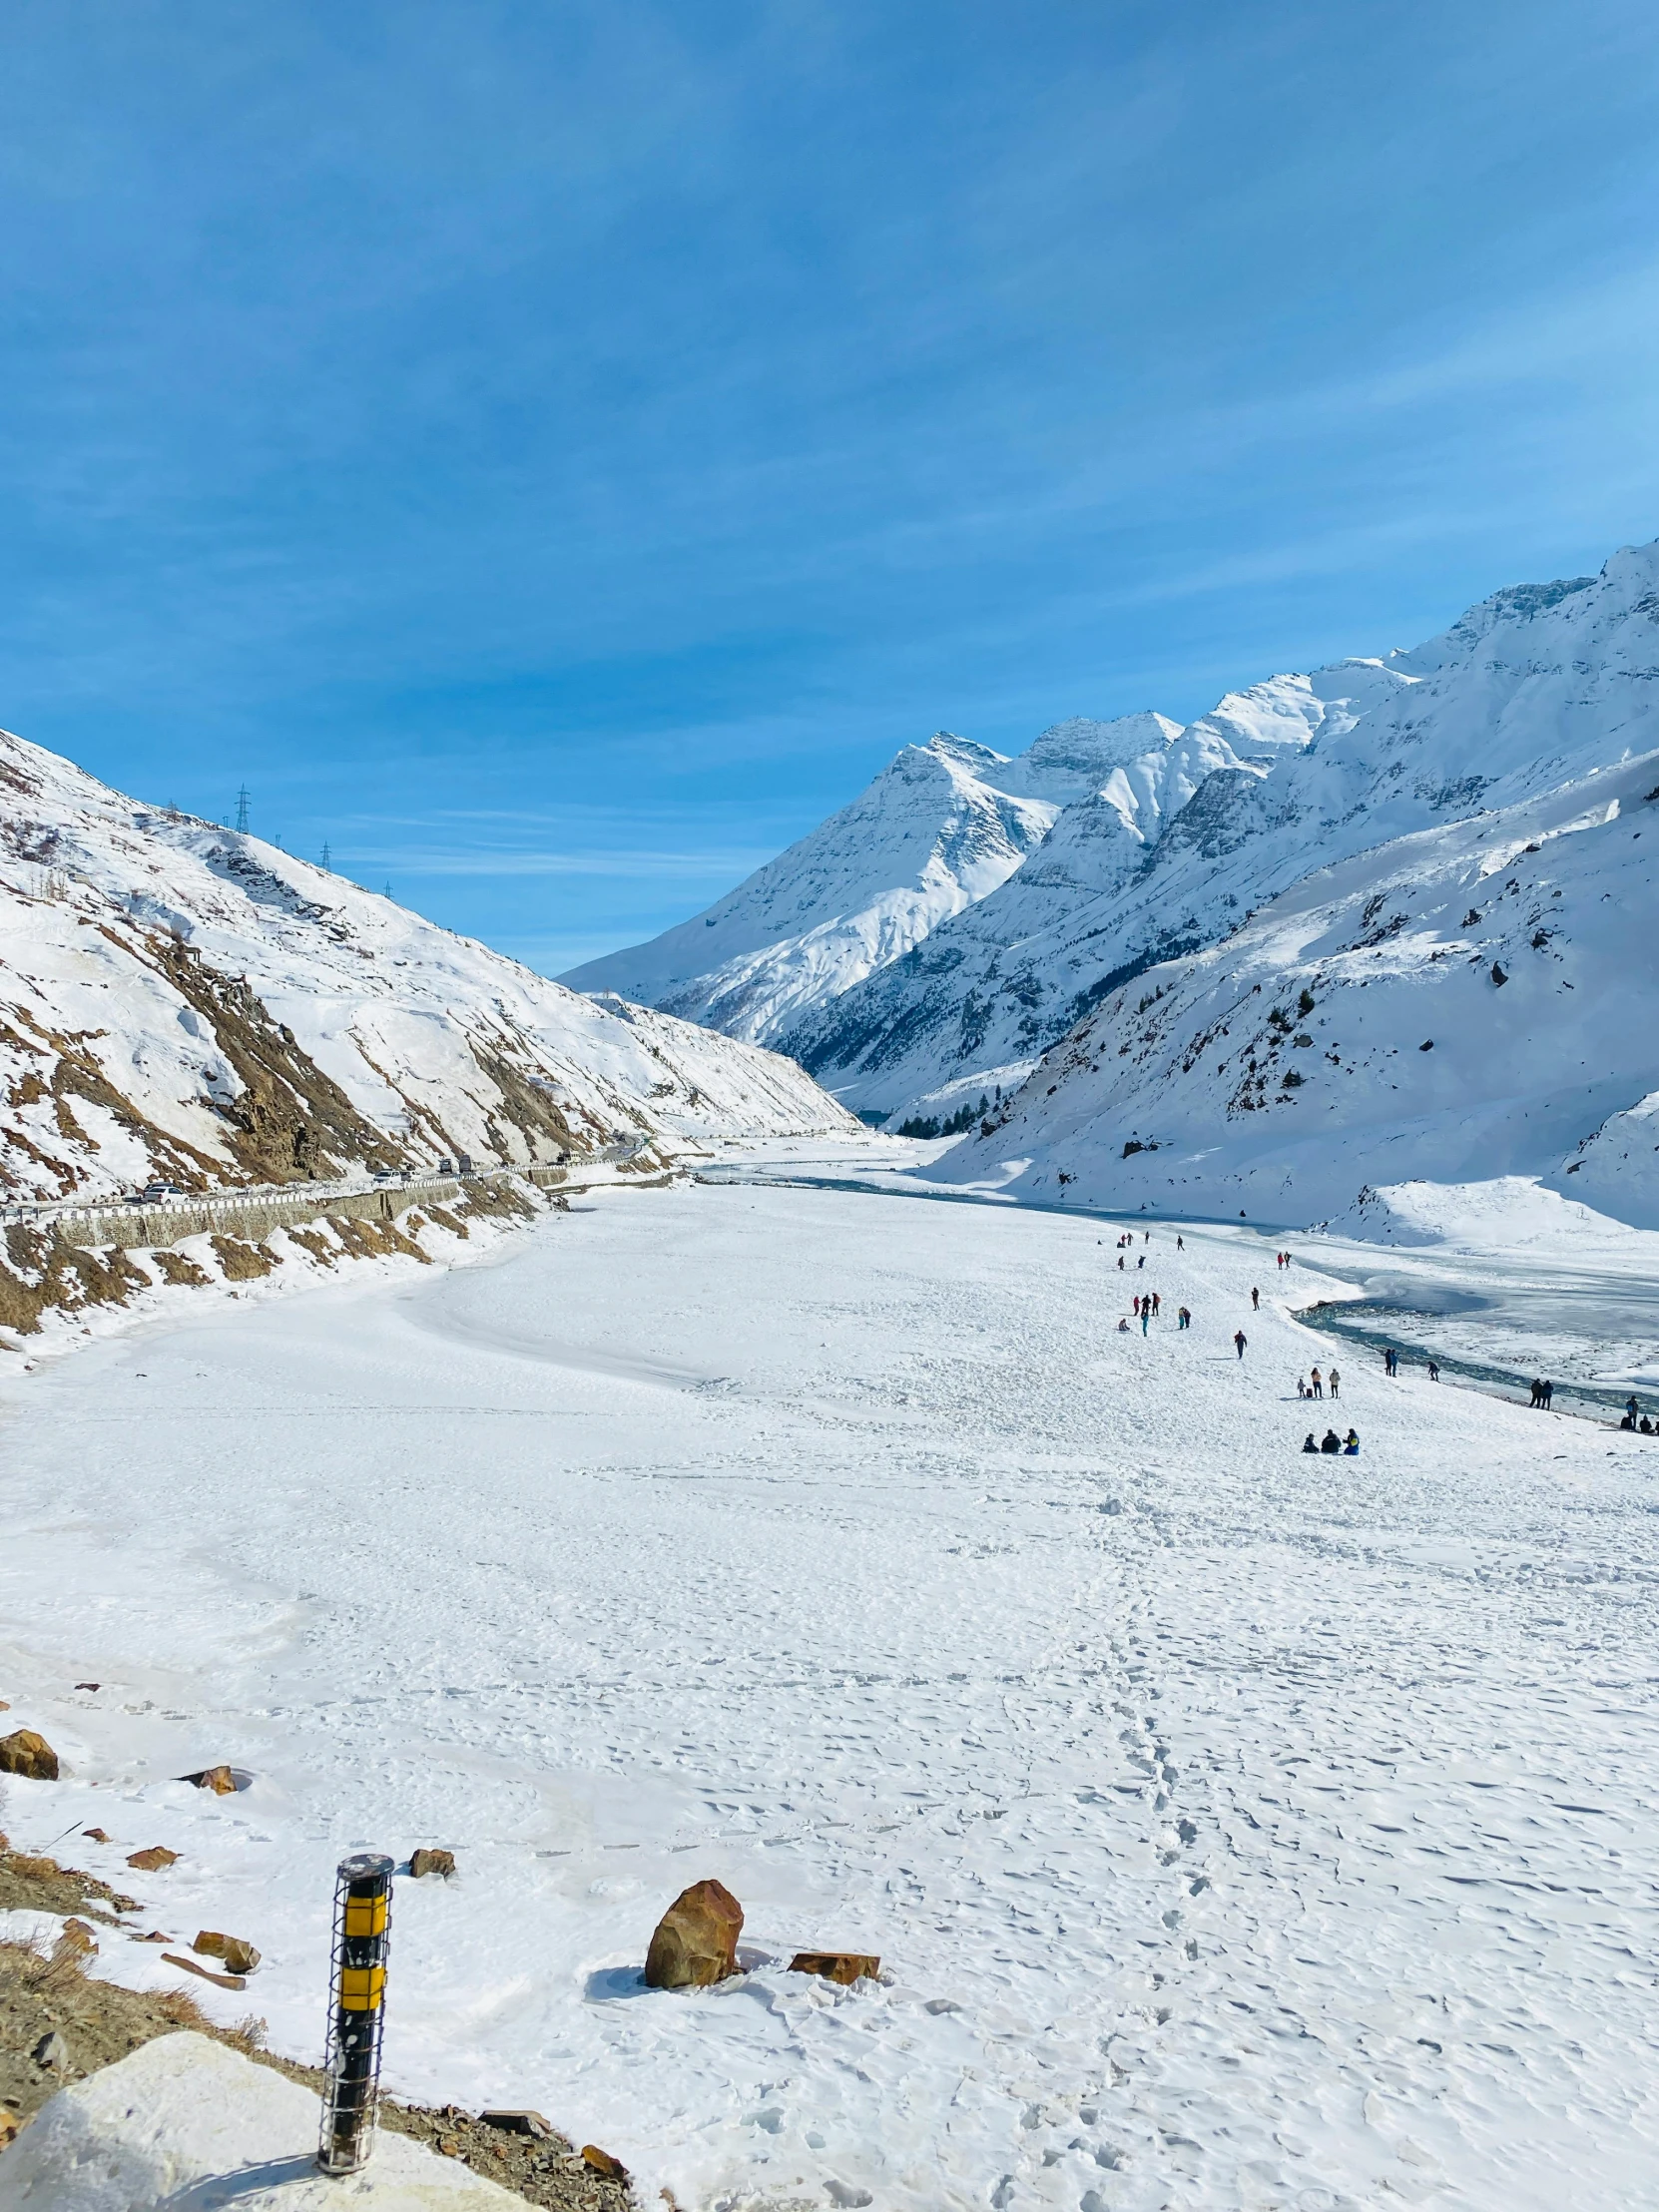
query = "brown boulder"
{"x": 844, "y": 1966}
{"x": 425, "y": 1861}
{"x": 695, "y": 1942}
{"x": 239, "y": 1957}
{"x": 30, "y": 1755}
{"x": 603, "y": 2163}
{"x": 218, "y": 1779}
{"x": 96, "y": 1834}
{"x": 153, "y": 1860}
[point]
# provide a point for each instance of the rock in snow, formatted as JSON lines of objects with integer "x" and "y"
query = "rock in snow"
{"x": 1162, "y": 842}
{"x": 695, "y": 1942}
{"x": 28, "y": 1753}
{"x": 843, "y": 1967}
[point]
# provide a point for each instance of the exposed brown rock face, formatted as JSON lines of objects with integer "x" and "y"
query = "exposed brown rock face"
{"x": 844, "y": 1966}
{"x": 24, "y": 1753}
{"x": 242, "y": 1263}
{"x": 424, "y": 1862}
{"x": 153, "y": 1860}
{"x": 695, "y": 1942}
{"x": 181, "y": 1271}
{"x": 43, "y": 1272}
{"x": 291, "y": 1121}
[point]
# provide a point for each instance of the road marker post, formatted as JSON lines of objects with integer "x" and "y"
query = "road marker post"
{"x": 357, "y": 2011}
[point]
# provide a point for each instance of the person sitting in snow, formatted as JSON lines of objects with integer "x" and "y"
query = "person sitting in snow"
{"x": 1307, "y": 1443}
{"x": 1123, "y": 1327}
{"x": 1331, "y": 1441}
{"x": 1352, "y": 1447}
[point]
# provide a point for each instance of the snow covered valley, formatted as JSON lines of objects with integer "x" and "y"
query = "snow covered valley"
{"x": 1236, "y": 1828}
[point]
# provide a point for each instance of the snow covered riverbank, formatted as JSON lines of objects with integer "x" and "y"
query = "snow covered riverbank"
{"x": 1235, "y": 1827}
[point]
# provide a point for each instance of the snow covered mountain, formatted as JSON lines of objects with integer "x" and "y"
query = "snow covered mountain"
{"x": 1536, "y": 684}
{"x": 1458, "y": 1005}
{"x": 179, "y": 1001}
{"x": 929, "y": 836}
{"x": 1159, "y": 841}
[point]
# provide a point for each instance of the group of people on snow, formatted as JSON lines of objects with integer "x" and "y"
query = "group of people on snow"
{"x": 1348, "y": 1446}
{"x": 1313, "y": 1385}
{"x": 1636, "y": 1421}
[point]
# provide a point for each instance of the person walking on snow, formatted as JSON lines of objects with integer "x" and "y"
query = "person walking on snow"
{"x": 1158, "y": 1302}
{"x": 1255, "y": 1301}
{"x": 1391, "y": 1361}
{"x": 1433, "y": 1373}
{"x": 1180, "y": 1243}
{"x": 1239, "y": 1339}
{"x": 1146, "y": 1314}
{"x": 1549, "y": 1396}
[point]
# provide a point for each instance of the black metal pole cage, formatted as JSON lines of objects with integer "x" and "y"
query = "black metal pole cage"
{"x": 357, "y": 2011}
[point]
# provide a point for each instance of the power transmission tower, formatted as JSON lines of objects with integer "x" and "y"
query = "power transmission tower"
{"x": 242, "y": 809}
{"x": 388, "y": 890}
{"x": 326, "y": 861}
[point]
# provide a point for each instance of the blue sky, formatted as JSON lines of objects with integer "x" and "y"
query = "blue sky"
{"x": 556, "y": 452}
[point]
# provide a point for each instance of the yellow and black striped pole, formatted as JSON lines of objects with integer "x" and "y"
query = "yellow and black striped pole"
{"x": 357, "y": 1993}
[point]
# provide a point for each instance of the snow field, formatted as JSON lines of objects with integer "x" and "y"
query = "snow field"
{"x": 1237, "y": 1829}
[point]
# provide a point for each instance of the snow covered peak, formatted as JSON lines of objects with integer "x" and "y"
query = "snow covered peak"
{"x": 929, "y": 835}
{"x": 1075, "y": 757}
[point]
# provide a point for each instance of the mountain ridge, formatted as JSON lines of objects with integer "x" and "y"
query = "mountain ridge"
{"x": 1154, "y": 854}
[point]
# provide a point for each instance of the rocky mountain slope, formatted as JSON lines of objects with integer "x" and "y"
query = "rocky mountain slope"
{"x": 1464, "y": 1003}
{"x": 181, "y": 1003}
{"x": 1163, "y": 839}
{"x": 928, "y": 837}
{"x": 942, "y": 827}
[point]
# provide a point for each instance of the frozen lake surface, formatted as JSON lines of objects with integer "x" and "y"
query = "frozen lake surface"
{"x": 1236, "y": 1828}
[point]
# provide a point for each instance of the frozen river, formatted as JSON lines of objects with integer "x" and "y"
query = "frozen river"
{"x": 1236, "y": 1828}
